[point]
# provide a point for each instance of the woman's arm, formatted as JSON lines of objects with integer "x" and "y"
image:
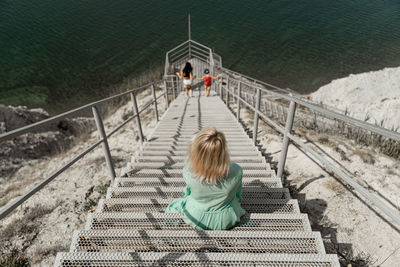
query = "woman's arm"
{"x": 191, "y": 76}
{"x": 239, "y": 190}
{"x": 186, "y": 175}
{"x": 202, "y": 78}
{"x": 216, "y": 77}
{"x": 180, "y": 74}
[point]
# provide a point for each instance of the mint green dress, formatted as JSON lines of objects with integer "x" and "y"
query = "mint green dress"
{"x": 210, "y": 207}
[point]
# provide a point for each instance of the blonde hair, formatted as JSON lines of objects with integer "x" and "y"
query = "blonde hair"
{"x": 209, "y": 156}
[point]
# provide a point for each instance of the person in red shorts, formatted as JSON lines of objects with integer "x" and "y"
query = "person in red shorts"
{"x": 207, "y": 81}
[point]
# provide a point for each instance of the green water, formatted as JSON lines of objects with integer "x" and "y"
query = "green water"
{"x": 60, "y": 54}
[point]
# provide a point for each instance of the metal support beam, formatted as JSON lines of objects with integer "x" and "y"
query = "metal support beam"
{"x": 153, "y": 89}
{"x": 257, "y": 108}
{"x": 238, "y": 101}
{"x": 285, "y": 145}
{"x": 136, "y": 111}
{"x": 106, "y": 148}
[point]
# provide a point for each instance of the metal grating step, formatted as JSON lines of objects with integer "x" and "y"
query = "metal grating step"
{"x": 181, "y": 136}
{"x": 173, "y": 221}
{"x": 180, "y": 183}
{"x": 177, "y": 173}
{"x": 179, "y": 165}
{"x": 228, "y": 131}
{"x": 237, "y": 159}
{"x": 186, "y": 147}
{"x": 169, "y": 152}
{"x": 199, "y": 259}
{"x": 167, "y": 192}
{"x": 179, "y": 139}
{"x": 196, "y": 240}
{"x": 276, "y": 206}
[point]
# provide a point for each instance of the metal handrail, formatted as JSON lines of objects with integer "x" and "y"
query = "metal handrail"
{"x": 329, "y": 113}
{"x": 285, "y": 94}
{"x": 29, "y": 128}
{"x": 391, "y": 213}
{"x": 103, "y": 140}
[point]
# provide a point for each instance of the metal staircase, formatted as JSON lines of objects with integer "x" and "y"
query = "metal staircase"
{"x": 130, "y": 227}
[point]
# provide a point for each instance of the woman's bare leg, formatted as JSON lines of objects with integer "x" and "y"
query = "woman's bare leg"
{"x": 205, "y": 91}
{"x": 186, "y": 91}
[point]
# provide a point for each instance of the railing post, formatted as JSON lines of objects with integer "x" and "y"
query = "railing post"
{"x": 166, "y": 94}
{"x": 221, "y": 90}
{"x": 106, "y": 148}
{"x": 155, "y": 101}
{"x": 174, "y": 85}
{"x": 136, "y": 111}
{"x": 238, "y": 101}
{"x": 227, "y": 91}
{"x": 257, "y": 107}
{"x": 288, "y": 128}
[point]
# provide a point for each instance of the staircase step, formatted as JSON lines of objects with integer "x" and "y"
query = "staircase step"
{"x": 179, "y": 134}
{"x": 177, "y": 173}
{"x": 276, "y": 206}
{"x": 244, "y": 143}
{"x": 186, "y": 147}
{"x": 169, "y": 152}
{"x": 179, "y": 182}
{"x": 173, "y": 221}
{"x": 119, "y": 259}
{"x": 228, "y": 131}
{"x": 167, "y": 192}
{"x": 189, "y": 138}
{"x": 115, "y": 240}
{"x": 179, "y": 165}
{"x": 237, "y": 159}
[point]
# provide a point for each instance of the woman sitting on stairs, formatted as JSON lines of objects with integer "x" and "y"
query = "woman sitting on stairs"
{"x": 213, "y": 184}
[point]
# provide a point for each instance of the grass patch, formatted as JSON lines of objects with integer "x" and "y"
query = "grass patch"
{"x": 102, "y": 188}
{"x": 26, "y": 224}
{"x": 14, "y": 259}
{"x": 89, "y": 204}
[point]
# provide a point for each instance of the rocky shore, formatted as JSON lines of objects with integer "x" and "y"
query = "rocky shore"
{"x": 46, "y": 141}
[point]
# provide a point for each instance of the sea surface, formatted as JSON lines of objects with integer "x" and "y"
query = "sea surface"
{"x": 61, "y": 54}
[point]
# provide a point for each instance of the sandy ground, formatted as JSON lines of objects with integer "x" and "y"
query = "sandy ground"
{"x": 371, "y": 96}
{"x": 44, "y": 224}
{"x": 361, "y": 235}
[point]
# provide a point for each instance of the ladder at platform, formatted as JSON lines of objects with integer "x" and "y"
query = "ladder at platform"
{"x": 130, "y": 227}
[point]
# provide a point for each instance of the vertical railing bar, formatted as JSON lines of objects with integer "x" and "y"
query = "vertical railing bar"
{"x": 238, "y": 101}
{"x": 166, "y": 94}
{"x": 174, "y": 85}
{"x": 136, "y": 111}
{"x": 221, "y": 91}
{"x": 257, "y": 107}
{"x": 227, "y": 91}
{"x": 155, "y": 101}
{"x": 106, "y": 148}
{"x": 288, "y": 128}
